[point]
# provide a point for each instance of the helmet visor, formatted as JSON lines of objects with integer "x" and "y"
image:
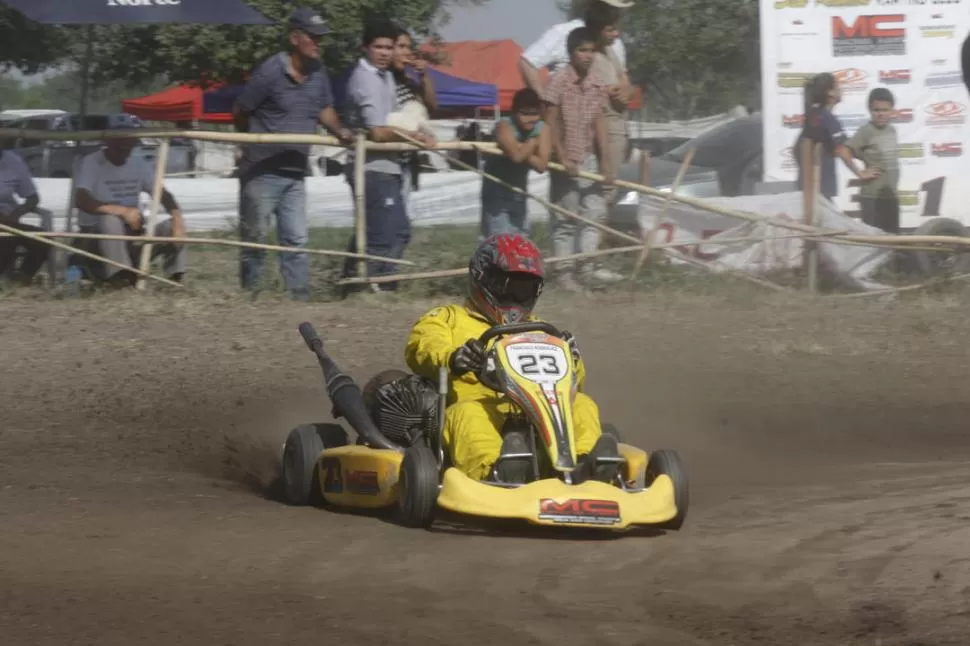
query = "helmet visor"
{"x": 515, "y": 288}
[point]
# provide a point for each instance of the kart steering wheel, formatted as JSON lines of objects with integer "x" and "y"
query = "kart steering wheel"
{"x": 518, "y": 328}
{"x": 485, "y": 376}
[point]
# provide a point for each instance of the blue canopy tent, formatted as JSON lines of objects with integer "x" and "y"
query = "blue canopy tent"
{"x": 452, "y": 92}
{"x": 112, "y": 12}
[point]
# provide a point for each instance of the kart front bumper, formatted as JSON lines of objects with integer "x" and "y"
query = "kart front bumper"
{"x": 552, "y": 502}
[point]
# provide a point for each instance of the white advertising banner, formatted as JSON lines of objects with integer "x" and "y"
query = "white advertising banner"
{"x": 912, "y": 48}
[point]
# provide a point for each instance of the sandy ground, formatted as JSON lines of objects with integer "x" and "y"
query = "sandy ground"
{"x": 827, "y": 446}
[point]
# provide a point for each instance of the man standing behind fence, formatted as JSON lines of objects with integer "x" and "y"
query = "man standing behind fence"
{"x": 371, "y": 97}
{"x": 288, "y": 93}
{"x": 575, "y": 98}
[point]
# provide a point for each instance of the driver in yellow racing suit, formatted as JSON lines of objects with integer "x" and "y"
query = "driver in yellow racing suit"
{"x": 505, "y": 279}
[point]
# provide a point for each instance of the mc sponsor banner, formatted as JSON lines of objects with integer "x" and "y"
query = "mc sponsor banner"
{"x": 910, "y": 47}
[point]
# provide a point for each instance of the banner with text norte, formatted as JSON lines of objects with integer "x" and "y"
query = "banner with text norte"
{"x": 912, "y": 48}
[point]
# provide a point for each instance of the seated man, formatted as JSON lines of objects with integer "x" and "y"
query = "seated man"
{"x": 15, "y": 180}
{"x": 107, "y": 189}
{"x": 505, "y": 279}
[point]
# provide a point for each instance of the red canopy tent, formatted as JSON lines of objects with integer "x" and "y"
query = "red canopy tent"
{"x": 483, "y": 61}
{"x": 493, "y": 61}
{"x": 182, "y": 103}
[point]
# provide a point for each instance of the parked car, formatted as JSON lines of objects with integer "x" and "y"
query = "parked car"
{"x": 47, "y": 158}
{"x": 727, "y": 162}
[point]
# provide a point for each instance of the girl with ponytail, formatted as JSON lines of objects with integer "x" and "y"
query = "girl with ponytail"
{"x": 821, "y": 126}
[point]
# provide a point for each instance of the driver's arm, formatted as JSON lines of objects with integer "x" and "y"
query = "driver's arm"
{"x": 431, "y": 343}
{"x": 580, "y": 375}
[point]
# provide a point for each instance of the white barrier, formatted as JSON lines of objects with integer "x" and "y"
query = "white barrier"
{"x": 211, "y": 203}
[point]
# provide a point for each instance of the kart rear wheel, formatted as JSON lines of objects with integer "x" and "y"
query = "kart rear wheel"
{"x": 301, "y": 483}
{"x": 417, "y": 488}
{"x": 667, "y": 462}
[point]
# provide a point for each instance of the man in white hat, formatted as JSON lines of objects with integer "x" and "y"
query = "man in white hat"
{"x": 550, "y": 50}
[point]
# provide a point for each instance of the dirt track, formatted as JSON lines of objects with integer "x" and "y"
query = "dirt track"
{"x": 827, "y": 448}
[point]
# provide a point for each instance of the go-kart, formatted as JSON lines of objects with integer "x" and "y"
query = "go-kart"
{"x": 412, "y": 477}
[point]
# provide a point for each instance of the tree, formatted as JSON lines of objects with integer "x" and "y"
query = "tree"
{"x": 694, "y": 57}
{"x": 26, "y": 45}
{"x": 202, "y": 53}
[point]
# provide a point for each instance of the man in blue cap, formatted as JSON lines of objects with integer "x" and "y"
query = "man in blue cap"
{"x": 288, "y": 93}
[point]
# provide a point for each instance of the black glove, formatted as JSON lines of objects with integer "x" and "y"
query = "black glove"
{"x": 568, "y": 337}
{"x": 470, "y": 357}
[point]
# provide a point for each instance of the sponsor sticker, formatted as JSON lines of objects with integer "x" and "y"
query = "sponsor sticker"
{"x": 580, "y": 511}
{"x": 946, "y": 113}
{"x": 854, "y": 120}
{"x": 947, "y": 149}
{"x": 852, "y": 79}
{"x": 944, "y": 79}
{"x": 911, "y": 151}
{"x": 787, "y": 155}
{"x": 794, "y": 80}
{"x": 902, "y": 115}
{"x": 869, "y": 35}
{"x": 895, "y": 77}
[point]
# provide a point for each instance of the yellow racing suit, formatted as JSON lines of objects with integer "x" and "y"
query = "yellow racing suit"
{"x": 475, "y": 412}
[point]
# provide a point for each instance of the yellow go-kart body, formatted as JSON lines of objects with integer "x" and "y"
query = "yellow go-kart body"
{"x": 534, "y": 369}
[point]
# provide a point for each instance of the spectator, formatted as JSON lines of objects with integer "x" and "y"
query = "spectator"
{"x": 550, "y": 50}
{"x": 822, "y": 94}
{"x": 421, "y": 92}
{"x": 526, "y": 145}
{"x": 108, "y": 186}
{"x": 607, "y": 66}
{"x": 371, "y": 98}
{"x": 15, "y": 180}
{"x": 575, "y": 98}
{"x": 877, "y": 144}
{"x": 288, "y": 93}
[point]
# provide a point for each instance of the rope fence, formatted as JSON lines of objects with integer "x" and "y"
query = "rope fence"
{"x": 642, "y": 246}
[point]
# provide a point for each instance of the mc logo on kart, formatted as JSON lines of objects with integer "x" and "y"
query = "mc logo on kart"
{"x": 580, "y": 511}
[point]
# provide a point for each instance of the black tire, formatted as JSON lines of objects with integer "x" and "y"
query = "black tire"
{"x": 301, "y": 483}
{"x": 936, "y": 263}
{"x": 417, "y": 488}
{"x": 668, "y": 463}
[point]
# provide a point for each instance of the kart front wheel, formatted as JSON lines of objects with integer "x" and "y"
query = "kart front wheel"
{"x": 417, "y": 488}
{"x": 301, "y": 482}
{"x": 666, "y": 462}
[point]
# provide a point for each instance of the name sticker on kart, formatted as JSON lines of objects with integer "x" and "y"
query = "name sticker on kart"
{"x": 581, "y": 511}
{"x": 538, "y": 362}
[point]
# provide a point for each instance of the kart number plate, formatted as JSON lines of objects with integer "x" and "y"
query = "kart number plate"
{"x": 538, "y": 362}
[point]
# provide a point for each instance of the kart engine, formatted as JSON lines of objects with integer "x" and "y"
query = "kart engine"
{"x": 404, "y": 409}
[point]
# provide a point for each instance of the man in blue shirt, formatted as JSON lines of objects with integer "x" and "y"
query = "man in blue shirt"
{"x": 288, "y": 93}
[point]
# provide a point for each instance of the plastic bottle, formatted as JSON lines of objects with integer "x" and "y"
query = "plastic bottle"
{"x": 72, "y": 280}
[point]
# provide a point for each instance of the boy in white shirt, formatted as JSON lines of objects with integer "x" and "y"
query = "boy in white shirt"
{"x": 550, "y": 50}
{"x": 107, "y": 191}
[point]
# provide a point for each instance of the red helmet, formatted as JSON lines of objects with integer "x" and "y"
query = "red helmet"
{"x": 506, "y": 277}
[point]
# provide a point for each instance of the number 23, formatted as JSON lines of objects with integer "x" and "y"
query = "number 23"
{"x": 529, "y": 364}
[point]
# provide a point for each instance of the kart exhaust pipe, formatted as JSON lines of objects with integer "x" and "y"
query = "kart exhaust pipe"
{"x": 345, "y": 394}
